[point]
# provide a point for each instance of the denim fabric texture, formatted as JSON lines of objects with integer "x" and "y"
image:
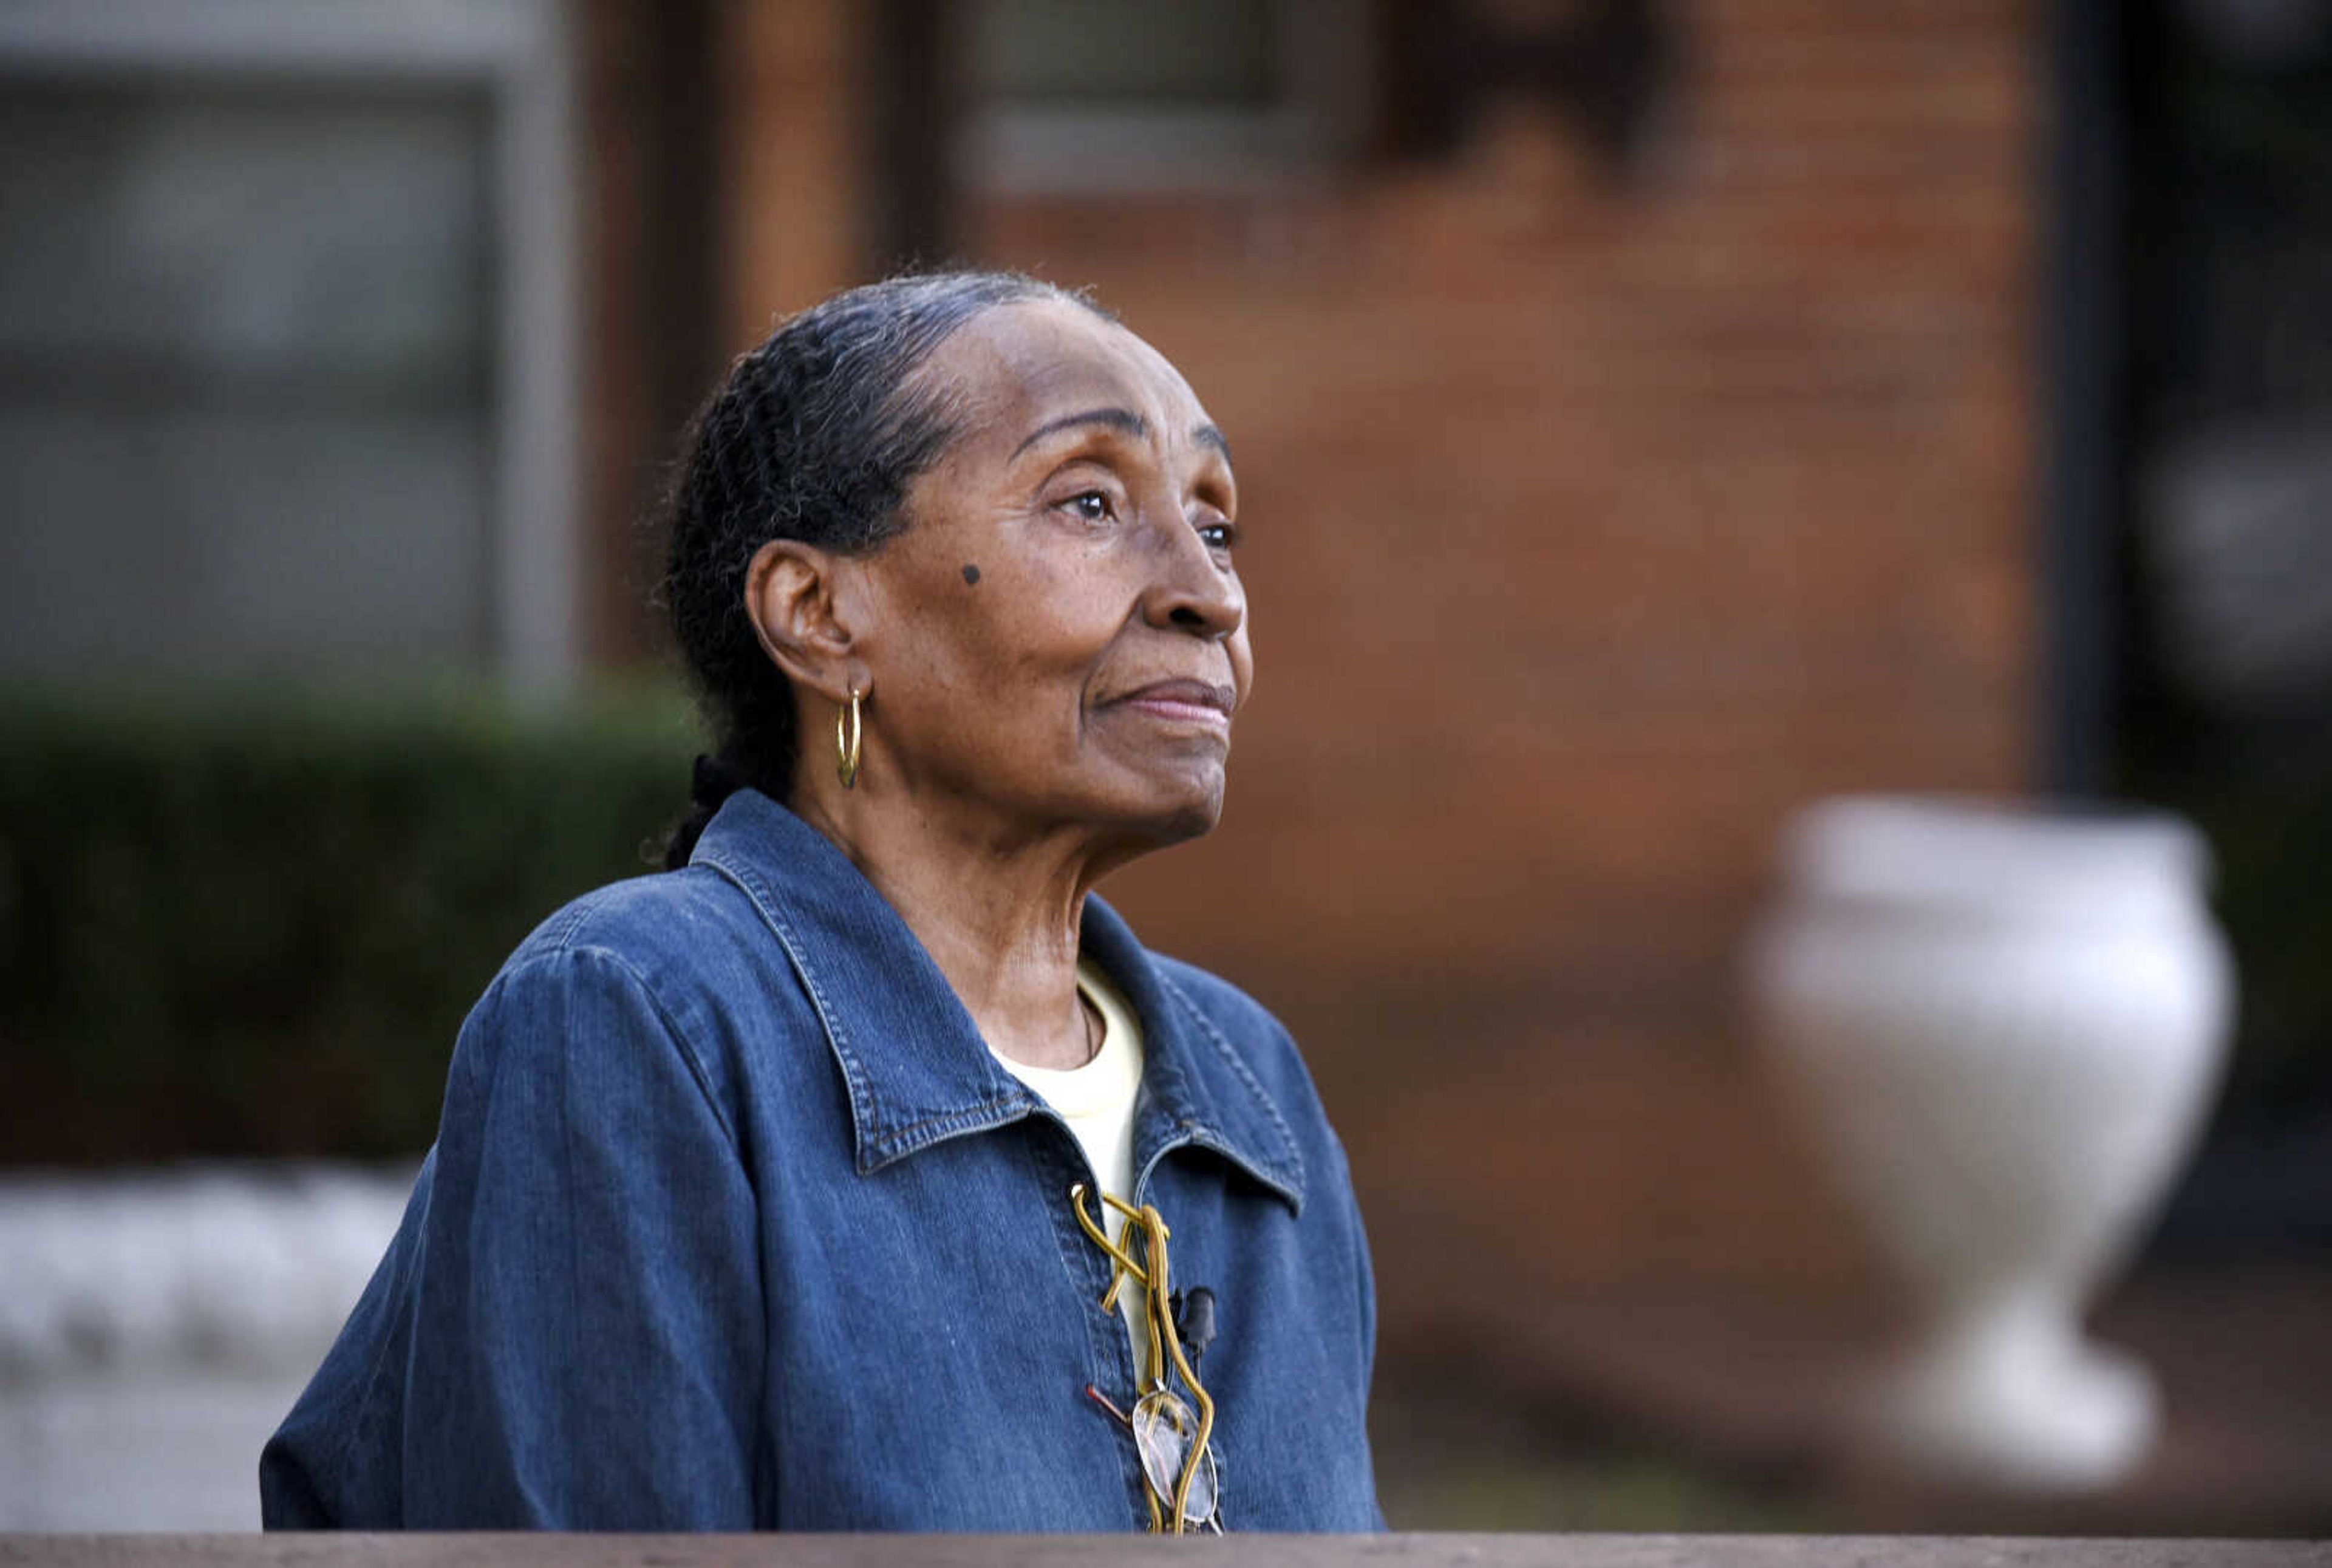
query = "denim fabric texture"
{"x": 732, "y": 1222}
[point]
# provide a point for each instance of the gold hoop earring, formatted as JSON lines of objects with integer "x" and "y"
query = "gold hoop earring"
{"x": 848, "y": 731}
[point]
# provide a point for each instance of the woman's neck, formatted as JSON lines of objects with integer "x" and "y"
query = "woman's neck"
{"x": 999, "y": 910}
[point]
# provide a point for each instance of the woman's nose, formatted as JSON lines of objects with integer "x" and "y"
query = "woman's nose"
{"x": 1190, "y": 591}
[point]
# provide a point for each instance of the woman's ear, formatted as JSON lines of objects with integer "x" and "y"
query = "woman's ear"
{"x": 800, "y": 599}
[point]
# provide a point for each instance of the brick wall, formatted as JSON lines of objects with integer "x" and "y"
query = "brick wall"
{"x": 1593, "y": 526}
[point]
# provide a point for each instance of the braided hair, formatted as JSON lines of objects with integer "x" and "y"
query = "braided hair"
{"x": 815, "y": 437}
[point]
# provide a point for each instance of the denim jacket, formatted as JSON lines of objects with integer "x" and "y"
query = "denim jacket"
{"x": 733, "y": 1221}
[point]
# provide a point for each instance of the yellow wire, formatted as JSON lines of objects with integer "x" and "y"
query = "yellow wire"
{"x": 1161, "y": 1311}
{"x": 1094, "y": 1233}
{"x": 1164, "y": 1341}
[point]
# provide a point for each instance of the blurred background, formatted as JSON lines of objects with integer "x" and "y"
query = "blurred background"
{"x": 1650, "y": 418}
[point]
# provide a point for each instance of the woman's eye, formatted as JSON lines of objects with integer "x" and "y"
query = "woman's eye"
{"x": 1093, "y": 505}
{"x": 1218, "y": 535}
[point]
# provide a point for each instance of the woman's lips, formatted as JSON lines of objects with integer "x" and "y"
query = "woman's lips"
{"x": 1183, "y": 702}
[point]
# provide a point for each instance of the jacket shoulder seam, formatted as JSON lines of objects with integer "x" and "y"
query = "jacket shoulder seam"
{"x": 681, "y": 1043}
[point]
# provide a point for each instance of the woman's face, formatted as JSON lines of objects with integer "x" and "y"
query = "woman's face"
{"x": 1060, "y": 634}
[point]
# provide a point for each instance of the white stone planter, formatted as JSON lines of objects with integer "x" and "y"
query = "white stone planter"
{"x": 2005, "y": 1025}
{"x": 156, "y": 1325}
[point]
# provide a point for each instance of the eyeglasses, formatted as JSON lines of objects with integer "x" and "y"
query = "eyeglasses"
{"x": 1185, "y": 1486}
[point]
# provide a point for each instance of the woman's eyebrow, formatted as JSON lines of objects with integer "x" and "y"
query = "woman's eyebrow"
{"x": 1124, "y": 420}
{"x": 1120, "y": 419}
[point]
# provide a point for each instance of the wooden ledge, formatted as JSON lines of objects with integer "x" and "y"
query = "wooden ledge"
{"x": 1424, "y": 1551}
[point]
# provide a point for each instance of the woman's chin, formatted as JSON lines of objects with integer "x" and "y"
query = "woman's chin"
{"x": 1193, "y": 821}
{"x": 1170, "y": 810}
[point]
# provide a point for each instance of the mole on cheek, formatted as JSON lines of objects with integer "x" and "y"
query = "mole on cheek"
{"x": 971, "y": 574}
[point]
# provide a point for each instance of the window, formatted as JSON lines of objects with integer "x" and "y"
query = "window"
{"x": 1129, "y": 95}
{"x": 285, "y": 341}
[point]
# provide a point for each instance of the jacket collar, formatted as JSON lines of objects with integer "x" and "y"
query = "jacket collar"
{"x": 913, "y": 1062}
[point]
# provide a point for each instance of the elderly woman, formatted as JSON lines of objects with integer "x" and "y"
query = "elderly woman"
{"x": 864, "y": 1170}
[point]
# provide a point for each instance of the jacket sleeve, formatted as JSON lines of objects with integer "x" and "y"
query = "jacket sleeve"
{"x": 1364, "y": 1284}
{"x": 587, "y": 1341}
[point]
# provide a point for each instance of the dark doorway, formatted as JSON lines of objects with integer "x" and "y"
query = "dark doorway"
{"x": 2191, "y": 566}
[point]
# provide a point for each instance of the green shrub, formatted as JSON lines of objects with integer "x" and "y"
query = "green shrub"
{"x": 243, "y": 931}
